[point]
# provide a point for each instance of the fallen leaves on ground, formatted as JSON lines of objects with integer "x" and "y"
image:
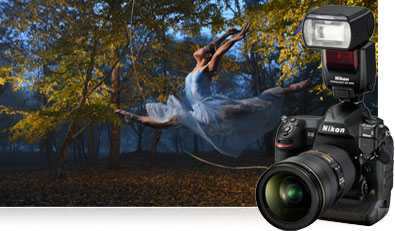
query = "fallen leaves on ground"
{"x": 143, "y": 180}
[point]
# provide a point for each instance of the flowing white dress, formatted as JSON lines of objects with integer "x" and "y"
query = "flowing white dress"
{"x": 230, "y": 125}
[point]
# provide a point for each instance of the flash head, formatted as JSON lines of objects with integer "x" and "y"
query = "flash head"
{"x": 348, "y": 57}
{"x": 337, "y": 27}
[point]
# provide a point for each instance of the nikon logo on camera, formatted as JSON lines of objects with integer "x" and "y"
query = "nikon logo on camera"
{"x": 327, "y": 128}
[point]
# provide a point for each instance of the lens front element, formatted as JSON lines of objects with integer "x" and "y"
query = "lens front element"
{"x": 287, "y": 197}
{"x": 290, "y": 192}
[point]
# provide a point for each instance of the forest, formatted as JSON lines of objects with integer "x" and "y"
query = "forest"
{"x": 65, "y": 66}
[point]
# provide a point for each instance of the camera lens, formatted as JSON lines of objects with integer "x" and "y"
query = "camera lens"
{"x": 293, "y": 193}
{"x": 287, "y": 196}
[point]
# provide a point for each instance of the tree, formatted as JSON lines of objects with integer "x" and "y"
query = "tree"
{"x": 65, "y": 37}
{"x": 84, "y": 44}
{"x": 75, "y": 55}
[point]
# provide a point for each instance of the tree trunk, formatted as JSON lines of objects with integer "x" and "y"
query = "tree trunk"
{"x": 115, "y": 140}
{"x": 262, "y": 80}
{"x": 61, "y": 166}
{"x": 80, "y": 148}
{"x": 155, "y": 140}
{"x": 83, "y": 150}
{"x": 61, "y": 154}
{"x": 74, "y": 146}
{"x": 139, "y": 141}
{"x": 98, "y": 142}
{"x": 139, "y": 130}
{"x": 46, "y": 148}
{"x": 254, "y": 76}
{"x": 154, "y": 146}
{"x": 91, "y": 147}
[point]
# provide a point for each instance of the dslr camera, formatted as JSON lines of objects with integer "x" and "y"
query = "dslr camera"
{"x": 338, "y": 166}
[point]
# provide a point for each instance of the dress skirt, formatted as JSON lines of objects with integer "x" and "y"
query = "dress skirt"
{"x": 230, "y": 125}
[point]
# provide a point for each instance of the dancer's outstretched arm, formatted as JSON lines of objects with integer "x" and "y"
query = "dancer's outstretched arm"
{"x": 215, "y": 60}
{"x": 217, "y": 42}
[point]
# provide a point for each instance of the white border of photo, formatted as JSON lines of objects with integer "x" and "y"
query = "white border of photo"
{"x": 191, "y": 218}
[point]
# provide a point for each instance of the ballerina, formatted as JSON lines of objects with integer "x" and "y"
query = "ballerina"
{"x": 230, "y": 125}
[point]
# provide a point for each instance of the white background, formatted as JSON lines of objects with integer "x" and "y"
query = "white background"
{"x": 209, "y": 218}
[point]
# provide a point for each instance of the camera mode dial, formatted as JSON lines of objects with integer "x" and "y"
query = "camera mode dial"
{"x": 289, "y": 125}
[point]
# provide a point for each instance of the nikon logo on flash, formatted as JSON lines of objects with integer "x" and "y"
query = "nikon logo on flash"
{"x": 333, "y": 129}
{"x": 340, "y": 78}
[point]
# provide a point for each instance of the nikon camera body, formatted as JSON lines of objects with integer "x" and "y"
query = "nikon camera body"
{"x": 338, "y": 166}
{"x": 367, "y": 143}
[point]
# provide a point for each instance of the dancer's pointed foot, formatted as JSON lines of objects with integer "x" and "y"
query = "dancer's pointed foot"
{"x": 129, "y": 117}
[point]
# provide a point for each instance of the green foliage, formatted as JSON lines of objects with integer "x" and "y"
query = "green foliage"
{"x": 60, "y": 59}
{"x": 64, "y": 51}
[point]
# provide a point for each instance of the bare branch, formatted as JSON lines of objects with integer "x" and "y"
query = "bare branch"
{"x": 79, "y": 132}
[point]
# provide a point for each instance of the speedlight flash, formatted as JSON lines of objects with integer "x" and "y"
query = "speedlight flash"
{"x": 337, "y": 27}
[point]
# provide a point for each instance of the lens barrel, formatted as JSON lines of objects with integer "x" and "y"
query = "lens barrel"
{"x": 294, "y": 192}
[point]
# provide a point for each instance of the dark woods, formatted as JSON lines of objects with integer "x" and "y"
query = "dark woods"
{"x": 65, "y": 66}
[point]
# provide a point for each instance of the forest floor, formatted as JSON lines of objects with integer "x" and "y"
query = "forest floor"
{"x": 145, "y": 179}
